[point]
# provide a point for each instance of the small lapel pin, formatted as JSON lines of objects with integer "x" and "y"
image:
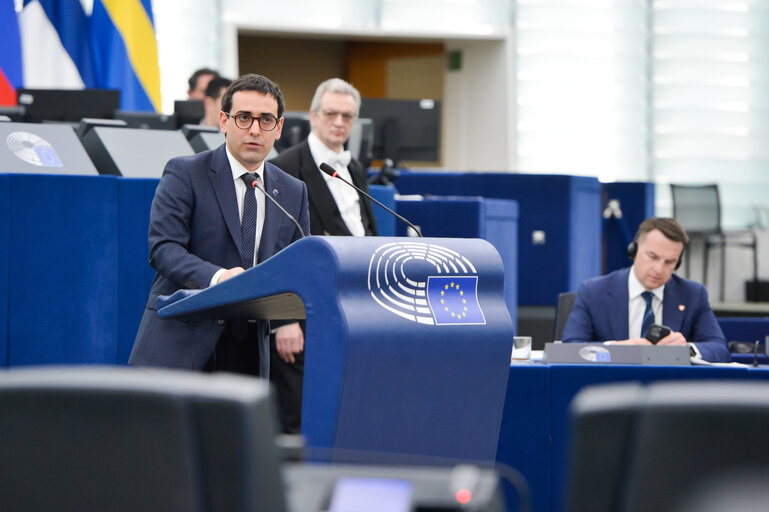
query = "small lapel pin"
{"x": 275, "y": 192}
{"x": 681, "y": 307}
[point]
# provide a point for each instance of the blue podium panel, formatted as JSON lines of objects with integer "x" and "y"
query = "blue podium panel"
{"x": 408, "y": 341}
{"x": 5, "y": 268}
{"x": 385, "y": 221}
{"x": 636, "y": 200}
{"x": 134, "y": 271}
{"x": 494, "y": 220}
{"x": 63, "y": 252}
{"x": 559, "y": 227}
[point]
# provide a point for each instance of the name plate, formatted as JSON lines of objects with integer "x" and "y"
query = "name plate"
{"x": 598, "y": 353}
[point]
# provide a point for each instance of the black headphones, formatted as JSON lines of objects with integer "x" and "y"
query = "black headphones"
{"x": 632, "y": 250}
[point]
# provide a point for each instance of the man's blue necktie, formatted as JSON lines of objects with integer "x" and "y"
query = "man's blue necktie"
{"x": 248, "y": 223}
{"x": 648, "y": 319}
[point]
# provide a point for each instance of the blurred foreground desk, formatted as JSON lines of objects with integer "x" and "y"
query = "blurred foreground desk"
{"x": 534, "y": 437}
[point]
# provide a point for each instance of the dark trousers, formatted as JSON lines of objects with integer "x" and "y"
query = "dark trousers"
{"x": 287, "y": 380}
{"x": 237, "y": 350}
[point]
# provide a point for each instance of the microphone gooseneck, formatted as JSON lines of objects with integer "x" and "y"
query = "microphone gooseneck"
{"x": 254, "y": 182}
{"x": 332, "y": 172}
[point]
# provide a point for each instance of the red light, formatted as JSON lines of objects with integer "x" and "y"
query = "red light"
{"x": 463, "y": 496}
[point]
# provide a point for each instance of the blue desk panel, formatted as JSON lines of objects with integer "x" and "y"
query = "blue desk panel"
{"x": 5, "y": 268}
{"x": 385, "y": 221}
{"x": 134, "y": 271}
{"x": 494, "y": 220}
{"x": 62, "y": 288}
{"x": 535, "y": 433}
{"x": 566, "y": 208}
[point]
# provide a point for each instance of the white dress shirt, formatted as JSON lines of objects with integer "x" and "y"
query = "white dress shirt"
{"x": 637, "y": 304}
{"x": 240, "y": 188}
{"x": 346, "y": 198}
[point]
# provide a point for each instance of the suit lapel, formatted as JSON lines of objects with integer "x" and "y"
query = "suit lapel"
{"x": 617, "y": 305}
{"x": 273, "y": 185}
{"x": 359, "y": 178}
{"x": 320, "y": 195}
{"x": 224, "y": 188}
{"x": 672, "y": 314}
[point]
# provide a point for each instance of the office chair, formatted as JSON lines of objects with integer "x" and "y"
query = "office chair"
{"x": 562, "y": 310}
{"x": 123, "y": 439}
{"x": 698, "y": 209}
{"x": 670, "y": 446}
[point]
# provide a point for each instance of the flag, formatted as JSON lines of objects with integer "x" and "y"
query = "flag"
{"x": 10, "y": 57}
{"x": 126, "y": 53}
{"x": 56, "y": 52}
{"x": 454, "y": 300}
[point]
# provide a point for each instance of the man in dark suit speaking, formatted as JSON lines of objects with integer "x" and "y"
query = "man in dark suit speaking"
{"x": 335, "y": 207}
{"x": 208, "y": 224}
{"x": 620, "y": 307}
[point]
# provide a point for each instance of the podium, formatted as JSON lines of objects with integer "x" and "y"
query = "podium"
{"x": 408, "y": 342}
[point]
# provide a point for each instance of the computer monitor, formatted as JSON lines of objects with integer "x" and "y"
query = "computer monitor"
{"x": 296, "y": 128}
{"x": 68, "y": 105}
{"x": 147, "y": 120}
{"x": 404, "y": 129}
{"x": 188, "y": 112}
{"x": 361, "y": 141}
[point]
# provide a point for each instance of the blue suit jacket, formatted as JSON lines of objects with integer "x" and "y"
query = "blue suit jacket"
{"x": 600, "y": 313}
{"x": 194, "y": 231}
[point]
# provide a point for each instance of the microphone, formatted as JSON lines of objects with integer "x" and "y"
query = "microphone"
{"x": 254, "y": 182}
{"x": 332, "y": 172}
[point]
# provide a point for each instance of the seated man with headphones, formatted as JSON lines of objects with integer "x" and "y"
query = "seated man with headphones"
{"x": 620, "y": 307}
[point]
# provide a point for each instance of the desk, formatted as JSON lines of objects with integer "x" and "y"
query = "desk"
{"x": 534, "y": 437}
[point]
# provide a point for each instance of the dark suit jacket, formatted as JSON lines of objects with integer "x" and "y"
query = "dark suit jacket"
{"x": 325, "y": 218}
{"x": 600, "y": 313}
{"x": 195, "y": 231}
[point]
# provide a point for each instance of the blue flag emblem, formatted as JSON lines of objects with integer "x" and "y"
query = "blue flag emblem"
{"x": 454, "y": 300}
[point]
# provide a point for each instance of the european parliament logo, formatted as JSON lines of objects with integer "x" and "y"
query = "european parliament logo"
{"x": 33, "y": 149}
{"x": 425, "y": 283}
{"x": 454, "y": 300}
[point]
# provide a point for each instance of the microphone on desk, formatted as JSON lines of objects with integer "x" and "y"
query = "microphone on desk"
{"x": 253, "y": 180}
{"x": 332, "y": 172}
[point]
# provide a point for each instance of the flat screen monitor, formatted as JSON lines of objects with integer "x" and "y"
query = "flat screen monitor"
{"x": 404, "y": 129}
{"x": 296, "y": 128}
{"x": 68, "y": 105}
{"x": 147, "y": 120}
{"x": 188, "y": 112}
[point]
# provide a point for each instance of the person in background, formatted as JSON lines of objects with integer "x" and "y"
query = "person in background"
{"x": 335, "y": 207}
{"x": 198, "y": 82}
{"x": 212, "y": 102}
{"x": 619, "y": 308}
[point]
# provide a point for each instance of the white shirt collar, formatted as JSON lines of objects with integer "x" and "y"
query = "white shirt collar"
{"x": 635, "y": 288}
{"x": 320, "y": 152}
{"x": 238, "y": 169}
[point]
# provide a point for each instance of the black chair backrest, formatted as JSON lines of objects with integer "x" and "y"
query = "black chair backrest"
{"x": 123, "y": 439}
{"x": 669, "y": 446}
{"x": 697, "y": 208}
{"x": 562, "y": 310}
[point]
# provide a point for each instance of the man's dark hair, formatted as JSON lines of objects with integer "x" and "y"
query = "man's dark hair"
{"x": 253, "y": 82}
{"x": 215, "y": 86}
{"x": 669, "y": 227}
{"x": 193, "y": 80}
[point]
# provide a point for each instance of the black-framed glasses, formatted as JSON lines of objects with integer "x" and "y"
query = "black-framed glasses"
{"x": 333, "y": 114}
{"x": 244, "y": 121}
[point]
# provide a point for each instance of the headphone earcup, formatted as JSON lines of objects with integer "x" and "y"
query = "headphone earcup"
{"x": 632, "y": 249}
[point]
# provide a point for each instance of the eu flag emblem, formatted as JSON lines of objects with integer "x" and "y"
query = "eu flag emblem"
{"x": 454, "y": 300}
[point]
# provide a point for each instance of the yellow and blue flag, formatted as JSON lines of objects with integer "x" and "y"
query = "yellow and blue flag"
{"x": 454, "y": 300}
{"x": 126, "y": 52}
